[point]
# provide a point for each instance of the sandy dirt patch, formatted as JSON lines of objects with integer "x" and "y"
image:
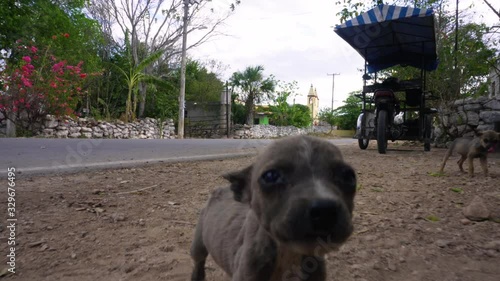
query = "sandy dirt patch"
{"x": 408, "y": 222}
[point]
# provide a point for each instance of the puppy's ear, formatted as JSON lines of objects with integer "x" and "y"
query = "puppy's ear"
{"x": 478, "y": 133}
{"x": 240, "y": 183}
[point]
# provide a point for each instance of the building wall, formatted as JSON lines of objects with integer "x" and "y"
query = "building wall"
{"x": 263, "y": 120}
{"x": 494, "y": 78}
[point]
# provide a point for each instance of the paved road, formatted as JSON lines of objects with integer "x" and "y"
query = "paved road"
{"x": 34, "y": 156}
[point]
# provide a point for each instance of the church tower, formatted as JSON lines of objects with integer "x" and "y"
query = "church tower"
{"x": 313, "y": 104}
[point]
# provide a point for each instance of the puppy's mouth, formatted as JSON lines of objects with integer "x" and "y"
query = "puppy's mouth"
{"x": 310, "y": 223}
{"x": 305, "y": 236}
{"x": 312, "y": 244}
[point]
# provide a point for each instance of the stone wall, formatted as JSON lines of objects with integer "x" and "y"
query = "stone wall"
{"x": 465, "y": 115}
{"x": 147, "y": 128}
{"x": 270, "y": 131}
{"x": 3, "y": 126}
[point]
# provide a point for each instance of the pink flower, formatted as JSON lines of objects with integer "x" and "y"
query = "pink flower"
{"x": 66, "y": 35}
{"x": 83, "y": 75}
{"x": 27, "y": 59}
{"x": 26, "y": 82}
{"x": 34, "y": 49}
{"x": 26, "y": 70}
{"x": 58, "y": 66}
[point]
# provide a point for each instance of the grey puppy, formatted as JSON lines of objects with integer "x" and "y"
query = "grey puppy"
{"x": 470, "y": 148}
{"x": 280, "y": 216}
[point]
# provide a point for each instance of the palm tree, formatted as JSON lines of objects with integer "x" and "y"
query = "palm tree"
{"x": 254, "y": 88}
{"x": 134, "y": 75}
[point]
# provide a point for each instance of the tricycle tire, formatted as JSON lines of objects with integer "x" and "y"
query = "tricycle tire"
{"x": 381, "y": 131}
{"x": 427, "y": 146}
{"x": 363, "y": 143}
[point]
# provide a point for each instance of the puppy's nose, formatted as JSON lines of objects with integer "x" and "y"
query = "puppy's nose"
{"x": 323, "y": 215}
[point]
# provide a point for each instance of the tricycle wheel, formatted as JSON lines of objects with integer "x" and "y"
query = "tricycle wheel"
{"x": 363, "y": 143}
{"x": 381, "y": 131}
{"x": 427, "y": 146}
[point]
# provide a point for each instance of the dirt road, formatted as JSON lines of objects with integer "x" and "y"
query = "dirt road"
{"x": 137, "y": 224}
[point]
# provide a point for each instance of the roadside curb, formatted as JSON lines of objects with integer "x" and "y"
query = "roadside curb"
{"x": 68, "y": 169}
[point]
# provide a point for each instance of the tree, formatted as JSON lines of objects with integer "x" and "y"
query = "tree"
{"x": 238, "y": 112}
{"x": 353, "y": 8}
{"x": 40, "y": 84}
{"x": 281, "y": 109}
{"x": 350, "y": 8}
{"x": 462, "y": 72}
{"x": 254, "y": 88}
{"x": 285, "y": 114}
{"x": 497, "y": 12}
{"x": 60, "y": 26}
{"x": 327, "y": 115}
{"x": 158, "y": 24}
{"x": 300, "y": 116}
{"x": 202, "y": 85}
{"x": 347, "y": 115}
{"x": 134, "y": 75}
{"x": 45, "y": 22}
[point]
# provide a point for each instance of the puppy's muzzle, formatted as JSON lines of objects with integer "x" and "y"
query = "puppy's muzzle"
{"x": 327, "y": 219}
{"x": 323, "y": 216}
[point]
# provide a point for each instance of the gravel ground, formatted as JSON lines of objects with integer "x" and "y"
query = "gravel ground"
{"x": 137, "y": 224}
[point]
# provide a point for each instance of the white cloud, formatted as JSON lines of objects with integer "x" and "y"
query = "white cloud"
{"x": 293, "y": 40}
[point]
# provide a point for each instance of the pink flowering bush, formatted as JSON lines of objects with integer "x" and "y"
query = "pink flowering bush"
{"x": 38, "y": 85}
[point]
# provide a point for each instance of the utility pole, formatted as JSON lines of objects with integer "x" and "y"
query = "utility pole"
{"x": 182, "y": 94}
{"x": 333, "y": 84}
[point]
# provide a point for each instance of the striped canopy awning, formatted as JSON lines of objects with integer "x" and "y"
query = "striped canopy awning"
{"x": 390, "y": 35}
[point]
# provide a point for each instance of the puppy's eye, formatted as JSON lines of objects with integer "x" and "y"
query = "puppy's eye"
{"x": 272, "y": 177}
{"x": 486, "y": 140}
{"x": 346, "y": 178}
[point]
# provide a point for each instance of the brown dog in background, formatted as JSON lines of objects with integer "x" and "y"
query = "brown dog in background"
{"x": 280, "y": 216}
{"x": 470, "y": 148}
